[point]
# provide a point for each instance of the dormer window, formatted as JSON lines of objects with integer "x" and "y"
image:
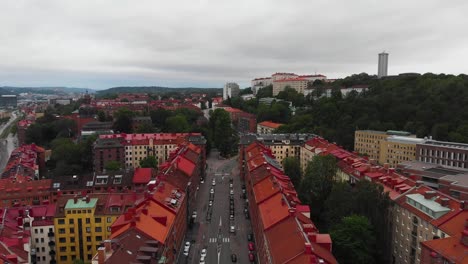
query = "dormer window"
{"x": 102, "y": 179}
{"x": 117, "y": 179}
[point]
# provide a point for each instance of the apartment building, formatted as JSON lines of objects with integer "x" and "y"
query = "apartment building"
{"x": 397, "y": 149}
{"x": 259, "y": 83}
{"x": 443, "y": 153}
{"x": 282, "y": 145}
{"x": 27, "y": 161}
{"x": 83, "y": 222}
{"x": 282, "y": 227}
{"x": 43, "y": 240}
{"x": 267, "y": 127}
{"x": 297, "y": 83}
{"x": 386, "y": 147}
{"x": 130, "y": 149}
{"x": 230, "y": 90}
{"x": 313, "y": 147}
{"x": 420, "y": 215}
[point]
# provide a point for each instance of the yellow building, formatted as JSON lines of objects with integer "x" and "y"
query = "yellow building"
{"x": 298, "y": 84}
{"x": 396, "y": 149}
{"x": 82, "y": 223}
{"x": 367, "y": 142}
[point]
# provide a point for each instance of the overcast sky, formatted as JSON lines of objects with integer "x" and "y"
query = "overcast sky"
{"x": 101, "y": 44}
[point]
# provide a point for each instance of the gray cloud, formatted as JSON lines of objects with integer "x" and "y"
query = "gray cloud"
{"x": 99, "y": 44}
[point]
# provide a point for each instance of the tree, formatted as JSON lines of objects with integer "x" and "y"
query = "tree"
{"x": 317, "y": 182}
{"x": 149, "y": 162}
{"x": 266, "y": 91}
{"x": 159, "y": 116}
{"x": 145, "y": 128}
{"x": 177, "y": 124}
{"x": 247, "y": 90}
{"x": 222, "y": 132}
{"x": 101, "y": 116}
{"x": 292, "y": 168}
{"x": 123, "y": 120}
{"x": 353, "y": 240}
{"x": 112, "y": 165}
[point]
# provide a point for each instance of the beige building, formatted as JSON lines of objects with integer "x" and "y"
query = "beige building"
{"x": 267, "y": 127}
{"x": 390, "y": 147}
{"x": 161, "y": 150}
{"x": 397, "y": 149}
{"x": 298, "y": 84}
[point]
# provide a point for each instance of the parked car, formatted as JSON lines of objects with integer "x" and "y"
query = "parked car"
{"x": 203, "y": 253}
{"x": 233, "y": 258}
{"x": 251, "y": 257}
{"x": 211, "y": 190}
{"x": 232, "y": 229}
{"x": 250, "y": 237}
{"x": 251, "y": 246}
{"x": 186, "y": 248}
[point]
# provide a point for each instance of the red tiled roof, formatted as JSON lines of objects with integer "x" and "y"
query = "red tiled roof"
{"x": 270, "y": 124}
{"x": 142, "y": 175}
{"x": 298, "y": 79}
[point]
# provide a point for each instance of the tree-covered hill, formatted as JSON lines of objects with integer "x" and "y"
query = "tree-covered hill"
{"x": 427, "y": 105}
{"x": 157, "y": 90}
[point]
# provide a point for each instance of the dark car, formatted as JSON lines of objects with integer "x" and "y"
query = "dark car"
{"x": 230, "y": 180}
{"x": 247, "y": 216}
{"x": 249, "y": 237}
{"x": 234, "y": 258}
{"x": 251, "y": 257}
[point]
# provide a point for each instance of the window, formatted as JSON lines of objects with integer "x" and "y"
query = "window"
{"x": 61, "y": 231}
{"x": 101, "y": 179}
{"x": 109, "y": 219}
{"x": 41, "y": 231}
{"x": 114, "y": 209}
{"x": 42, "y": 240}
{"x": 88, "y": 230}
{"x": 37, "y": 240}
{"x": 72, "y": 248}
{"x": 117, "y": 179}
{"x": 97, "y": 220}
{"x": 72, "y": 230}
{"x": 61, "y": 221}
{"x": 35, "y": 231}
{"x": 71, "y": 221}
{"x": 108, "y": 229}
{"x": 98, "y": 238}
{"x": 63, "y": 249}
{"x": 62, "y": 240}
{"x": 88, "y": 239}
{"x": 88, "y": 220}
{"x": 72, "y": 239}
{"x": 98, "y": 229}
{"x": 63, "y": 258}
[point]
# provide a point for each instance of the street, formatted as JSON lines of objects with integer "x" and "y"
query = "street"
{"x": 213, "y": 233}
{"x": 8, "y": 144}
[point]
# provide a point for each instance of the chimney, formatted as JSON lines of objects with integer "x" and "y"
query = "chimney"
{"x": 101, "y": 255}
{"x": 308, "y": 248}
{"x": 419, "y": 183}
{"x": 429, "y": 194}
{"x": 292, "y": 211}
{"x": 391, "y": 170}
{"x": 464, "y": 205}
{"x": 75, "y": 198}
{"x": 444, "y": 201}
{"x": 107, "y": 245}
{"x": 87, "y": 199}
{"x": 312, "y": 237}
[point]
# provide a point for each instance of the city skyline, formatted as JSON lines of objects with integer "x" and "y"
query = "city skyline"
{"x": 98, "y": 46}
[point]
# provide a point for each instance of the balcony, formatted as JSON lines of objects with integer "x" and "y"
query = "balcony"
{"x": 53, "y": 261}
{"x": 414, "y": 234}
{"x": 52, "y": 252}
{"x": 51, "y": 234}
{"x": 51, "y": 243}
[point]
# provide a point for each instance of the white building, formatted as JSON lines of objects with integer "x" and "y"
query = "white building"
{"x": 383, "y": 65}
{"x": 356, "y": 88}
{"x": 230, "y": 90}
{"x": 42, "y": 240}
{"x": 259, "y": 83}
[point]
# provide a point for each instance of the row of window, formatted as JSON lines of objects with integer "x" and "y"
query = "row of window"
{"x": 61, "y": 221}
{"x": 63, "y": 240}
{"x": 443, "y": 154}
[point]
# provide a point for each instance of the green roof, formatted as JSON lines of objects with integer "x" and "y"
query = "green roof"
{"x": 81, "y": 204}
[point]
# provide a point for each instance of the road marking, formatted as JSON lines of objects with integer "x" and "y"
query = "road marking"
{"x": 221, "y": 240}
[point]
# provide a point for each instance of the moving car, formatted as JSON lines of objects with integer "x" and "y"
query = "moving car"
{"x": 213, "y": 182}
{"x": 251, "y": 257}
{"x": 232, "y": 229}
{"x": 211, "y": 190}
{"x": 203, "y": 253}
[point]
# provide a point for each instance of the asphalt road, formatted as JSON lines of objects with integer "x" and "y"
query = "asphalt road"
{"x": 214, "y": 234}
{"x": 8, "y": 144}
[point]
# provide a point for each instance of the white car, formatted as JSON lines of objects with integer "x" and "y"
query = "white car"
{"x": 213, "y": 183}
{"x": 210, "y": 203}
{"x": 231, "y": 192}
{"x": 230, "y": 185}
{"x": 211, "y": 190}
{"x": 203, "y": 253}
{"x": 186, "y": 248}
{"x": 232, "y": 229}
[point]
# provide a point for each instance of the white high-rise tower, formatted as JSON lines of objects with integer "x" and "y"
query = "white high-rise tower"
{"x": 383, "y": 65}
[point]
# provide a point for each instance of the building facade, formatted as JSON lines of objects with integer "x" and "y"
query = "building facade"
{"x": 267, "y": 127}
{"x": 230, "y": 90}
{"x": 382, "y": 70}
{"x": 298, "y": 84}
{"x": 259, "y": 83}
{"x": 8, "y": 101}
{"x": 443, "y": 153}
{"x": 397, "y": 149}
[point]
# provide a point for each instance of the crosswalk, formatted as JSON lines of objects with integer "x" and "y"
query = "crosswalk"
{"x": 215, "y": 240}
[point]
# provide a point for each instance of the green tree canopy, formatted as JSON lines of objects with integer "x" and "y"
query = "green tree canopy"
{"x": 292, "y": 168}
{"x": 123, "y": 120}
{"x": 112, "y": 165}
{"x": 177, "y": 124}
{"x": 353, "y": 240}
{"x": 223, "y": 134}
{"x": 149, "y": 162}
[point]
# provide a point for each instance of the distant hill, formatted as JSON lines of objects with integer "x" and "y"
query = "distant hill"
{"x": 43, "y": 90}
{"x": 157, "y": 90}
